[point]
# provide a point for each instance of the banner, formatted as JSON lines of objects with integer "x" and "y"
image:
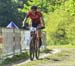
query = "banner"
{"x": 17, "y": 41}
{"x": 7, "y": 35}
{"x": 25, "y": 39}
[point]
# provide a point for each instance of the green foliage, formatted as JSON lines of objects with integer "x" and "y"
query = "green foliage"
{"x": 59, "y": 16}
{"x": 43, "y": 5}
{"x": 61, "y": 23}
{"x": 59, "y": 19}
{"x": 70, "y": 7}
{"x": 9, "y": 12}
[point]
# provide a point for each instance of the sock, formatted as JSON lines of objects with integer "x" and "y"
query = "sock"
{"x": 40, "y": 42}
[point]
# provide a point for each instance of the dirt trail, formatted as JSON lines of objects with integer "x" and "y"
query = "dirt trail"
{"x": 44, "y": 55}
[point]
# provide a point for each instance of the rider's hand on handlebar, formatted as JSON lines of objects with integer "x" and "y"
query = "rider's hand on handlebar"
{"x": 23, "y": 24}
{"x": 40, "y": 27}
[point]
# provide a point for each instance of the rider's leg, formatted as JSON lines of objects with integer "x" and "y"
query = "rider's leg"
{"x": 39, "y": 37}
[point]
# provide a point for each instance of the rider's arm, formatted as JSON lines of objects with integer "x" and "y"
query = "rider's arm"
{"x": 25, "y": 19}
{"x": 42, "y": 21}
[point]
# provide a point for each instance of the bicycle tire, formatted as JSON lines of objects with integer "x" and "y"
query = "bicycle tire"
{"x": 32, "y": 47}
{"x": 37, "y": 50}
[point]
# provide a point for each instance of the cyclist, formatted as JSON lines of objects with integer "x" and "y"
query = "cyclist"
{"x": 36, "y": 20}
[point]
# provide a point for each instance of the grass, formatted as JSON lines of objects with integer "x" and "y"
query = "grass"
{"x": 15, "y": 59}
{"x": 1, "y": 50}
{"x": 60, "y": 46}
{"x": 64, "y": 58}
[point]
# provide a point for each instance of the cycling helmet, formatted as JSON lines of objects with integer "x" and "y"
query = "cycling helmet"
{"x": 34, "y": 7}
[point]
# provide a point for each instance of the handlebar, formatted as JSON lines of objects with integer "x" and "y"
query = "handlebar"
{"x": 27, "y": 27}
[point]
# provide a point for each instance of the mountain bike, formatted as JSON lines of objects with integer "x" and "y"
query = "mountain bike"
{"x": 34, "y": 44}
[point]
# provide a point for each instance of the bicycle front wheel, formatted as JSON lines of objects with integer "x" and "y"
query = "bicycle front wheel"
{"x": 37, "y": 50}
{"x": 32, "y": 47}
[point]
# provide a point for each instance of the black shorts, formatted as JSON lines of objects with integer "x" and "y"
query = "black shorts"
{"x": 35, "y": 24}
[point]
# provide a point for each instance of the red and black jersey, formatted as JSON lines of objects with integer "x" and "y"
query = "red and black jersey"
{"x": 35, "y": 17}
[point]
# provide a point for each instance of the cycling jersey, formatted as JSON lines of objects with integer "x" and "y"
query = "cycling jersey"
{"x": 35, "y": 17}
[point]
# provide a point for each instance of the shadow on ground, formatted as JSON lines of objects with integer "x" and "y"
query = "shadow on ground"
{"x": 16, "y": 62}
